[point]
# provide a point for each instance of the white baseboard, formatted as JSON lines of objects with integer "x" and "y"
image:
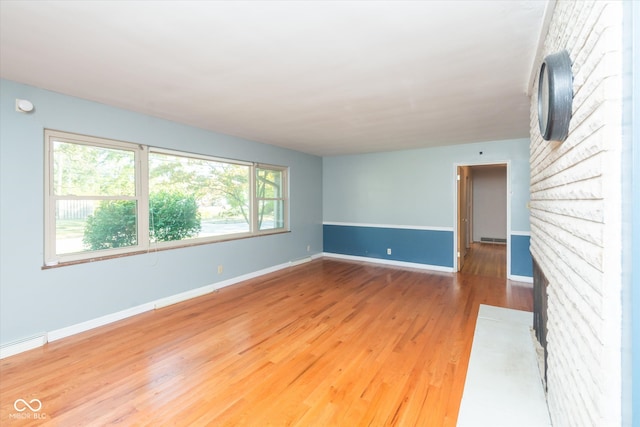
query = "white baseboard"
{"x": 194, "y": 293}
{"x": 390, "y": 262}
{"x": 183, "y": 296}
{"x": 295, "y": 262}
{"x": 23, "y": 345}
{"x": 20, "y": 346}
{"x": 97, "y": 322}
{"x": 525, "y": 279}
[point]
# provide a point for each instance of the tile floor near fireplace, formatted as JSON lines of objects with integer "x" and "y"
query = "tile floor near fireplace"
{"x": 503, "y": 385}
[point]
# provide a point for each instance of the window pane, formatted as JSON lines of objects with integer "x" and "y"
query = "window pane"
{"x": 89, "y": 225}
{"x": 269, "y": 183}
{"x": 96, "y": 190}
{"x": 191, "y": 197}
{"x": 270, "y": 214}
{"x": 83, "y": 170}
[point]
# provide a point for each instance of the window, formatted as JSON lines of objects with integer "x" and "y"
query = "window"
{"x": 106, "y": 198}
{"x": 86, "y": 176}
{"x": 218, "y": 192}
{"x": 271, "y": 188}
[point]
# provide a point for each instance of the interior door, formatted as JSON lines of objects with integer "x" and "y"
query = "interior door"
{"x": 463, "y": 211}
{"x": 469, "y": 217}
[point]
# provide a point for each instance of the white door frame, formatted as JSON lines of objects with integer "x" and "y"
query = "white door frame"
{"x": 506, "y": 163}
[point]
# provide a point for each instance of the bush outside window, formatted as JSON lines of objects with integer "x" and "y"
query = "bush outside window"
{"x": 108, "y": 197}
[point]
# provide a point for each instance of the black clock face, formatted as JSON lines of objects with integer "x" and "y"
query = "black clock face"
{"x": 555, "y": 96}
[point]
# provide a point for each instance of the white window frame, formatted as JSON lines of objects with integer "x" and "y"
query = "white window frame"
{"x": 285, "y": 198}
{"x": 207, "y": 239}
{"x": 141, "y": 153}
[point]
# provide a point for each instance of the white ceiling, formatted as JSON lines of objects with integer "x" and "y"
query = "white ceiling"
{"x": 323, "y": 77}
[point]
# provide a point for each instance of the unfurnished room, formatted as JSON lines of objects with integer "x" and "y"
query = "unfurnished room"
{"x": 320, "y": 213}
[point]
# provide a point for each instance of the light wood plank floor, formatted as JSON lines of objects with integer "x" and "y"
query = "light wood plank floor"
{"x": 486, "y": 259}
{"x": 327, "y": 343}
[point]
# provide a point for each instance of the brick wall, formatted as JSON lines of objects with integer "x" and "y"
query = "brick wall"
{"x": 575, "y": 218}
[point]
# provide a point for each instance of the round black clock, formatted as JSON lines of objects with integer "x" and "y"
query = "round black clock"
{"x": 555, "y": 96}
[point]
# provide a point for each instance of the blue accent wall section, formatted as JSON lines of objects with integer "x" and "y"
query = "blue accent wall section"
{"x": 431, "y": 247}
{"x": 521, "y": 262}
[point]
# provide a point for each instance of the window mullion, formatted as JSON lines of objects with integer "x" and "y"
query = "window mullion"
{"x": 142, "y": 193}
{"x": 254, "y": 199}
{"x": 50, "y": 206}
{"x": 285, "y": 199}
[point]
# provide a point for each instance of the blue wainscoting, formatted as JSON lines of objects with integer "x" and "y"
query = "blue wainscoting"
{"x": 521, "y": 262}
{"x": 429, "y": 247}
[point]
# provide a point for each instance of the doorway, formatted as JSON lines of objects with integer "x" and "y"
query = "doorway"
{"x": 482, "y": 219}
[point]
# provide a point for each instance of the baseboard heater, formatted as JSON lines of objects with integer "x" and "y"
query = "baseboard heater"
{"x": 493, "y": 240}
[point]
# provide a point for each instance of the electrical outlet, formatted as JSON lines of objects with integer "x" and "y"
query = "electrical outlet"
{"x": 220, "y": 269}
{"x": 308, "y": 248}
{"x": 388, "y": 251}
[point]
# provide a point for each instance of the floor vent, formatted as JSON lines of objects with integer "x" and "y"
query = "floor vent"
{"x": 493, "y": 240}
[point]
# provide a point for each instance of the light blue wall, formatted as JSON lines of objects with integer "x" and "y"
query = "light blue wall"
{"x": 416, "y": 187}
{"x": 33, "y": 300}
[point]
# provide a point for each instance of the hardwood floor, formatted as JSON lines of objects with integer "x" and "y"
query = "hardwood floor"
{"x": 327, "y": 343}
{"x": 486, "y": 259}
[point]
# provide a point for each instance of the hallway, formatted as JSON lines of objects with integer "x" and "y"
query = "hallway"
{"x": 486, "y": 259}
